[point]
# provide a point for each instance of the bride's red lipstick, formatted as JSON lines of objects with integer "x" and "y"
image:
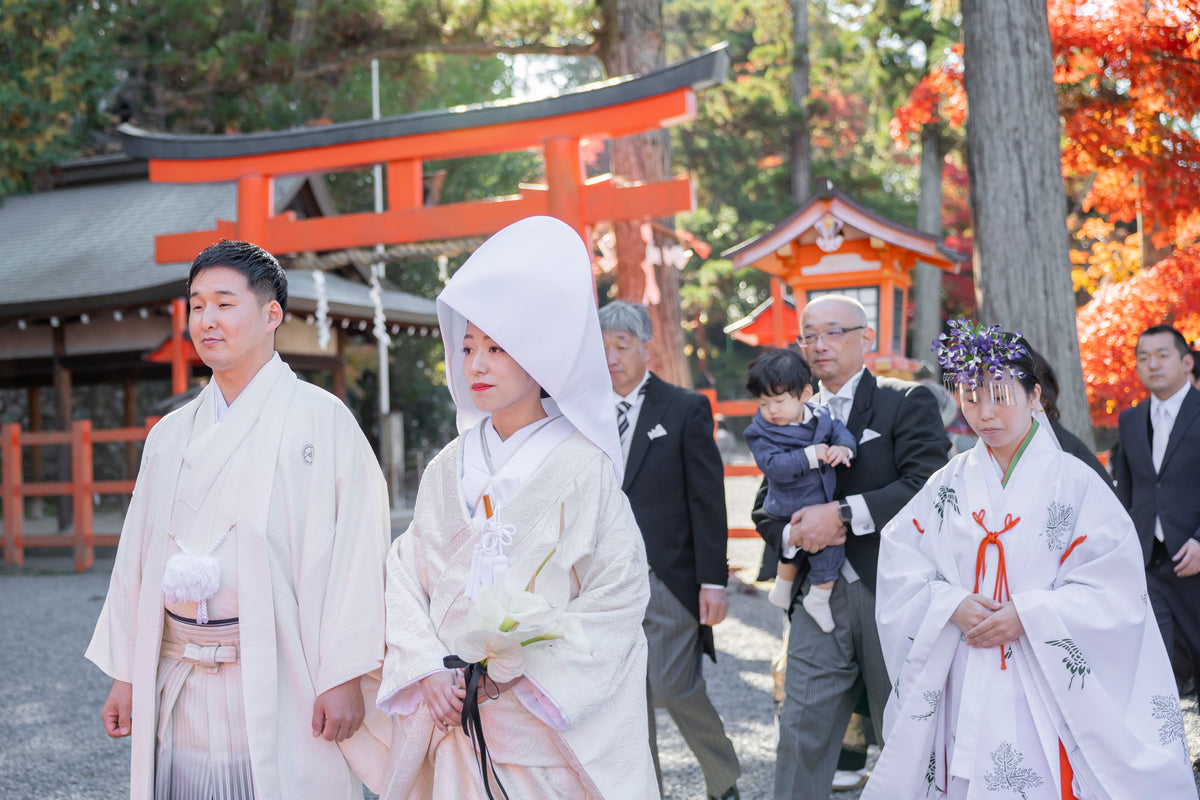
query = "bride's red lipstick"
{"x": 479, "y": 387}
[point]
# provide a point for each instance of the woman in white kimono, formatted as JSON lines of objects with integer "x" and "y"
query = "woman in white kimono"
{"x": 1013, "y": 616}
{"x": 519, "y": 322}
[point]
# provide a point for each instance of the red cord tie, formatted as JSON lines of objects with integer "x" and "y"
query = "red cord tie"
{"x": 1067, "y": 552}
{"x": 1000, "y": 588}
{"x": 918, "y": 526}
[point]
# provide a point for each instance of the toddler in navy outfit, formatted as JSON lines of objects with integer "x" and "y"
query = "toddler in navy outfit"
{"x": 797, "y": 444}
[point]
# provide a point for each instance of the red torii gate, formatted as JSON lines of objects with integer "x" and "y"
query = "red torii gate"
{"x": 556, "y": 126}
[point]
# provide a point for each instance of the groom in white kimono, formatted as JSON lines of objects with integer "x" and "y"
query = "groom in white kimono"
{"x": 244, "y": 617}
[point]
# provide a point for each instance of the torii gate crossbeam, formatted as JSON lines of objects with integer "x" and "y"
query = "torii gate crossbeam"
{"x": 556, "y": 126}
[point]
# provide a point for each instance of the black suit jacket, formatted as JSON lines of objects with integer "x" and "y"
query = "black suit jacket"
{"x": 676, "y": 486}
{"x": 1173, "y": 493}
{"x": 888, "y": 469}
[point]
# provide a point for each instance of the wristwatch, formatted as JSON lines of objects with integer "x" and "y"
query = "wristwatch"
{"x": 845, "y": 513}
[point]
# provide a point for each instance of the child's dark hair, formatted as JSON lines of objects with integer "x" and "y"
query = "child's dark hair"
{"x": 778, "y": 371}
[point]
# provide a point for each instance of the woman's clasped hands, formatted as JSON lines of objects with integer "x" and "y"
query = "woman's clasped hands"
{"x": 986, "y": 622}
{"x": 444, "y": 693}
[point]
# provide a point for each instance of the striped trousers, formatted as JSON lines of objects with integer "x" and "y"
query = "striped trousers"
{"x": 826, "y": 673}
{"x": 675, "y": 682}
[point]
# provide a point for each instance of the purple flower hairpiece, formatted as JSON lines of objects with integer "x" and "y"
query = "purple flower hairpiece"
{"x": 969, "y": 351}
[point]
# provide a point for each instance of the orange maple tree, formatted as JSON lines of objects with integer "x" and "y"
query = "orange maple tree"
{"x": 938, "y": 97}
{"x": 1128, "y": 75}
{"x": 1168, "y": 292}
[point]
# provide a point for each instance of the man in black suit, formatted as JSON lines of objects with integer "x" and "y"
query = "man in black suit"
{"x": 675, "y": 483}
{"x": 1157, "y": 469}
{"x": 901, "y": 442}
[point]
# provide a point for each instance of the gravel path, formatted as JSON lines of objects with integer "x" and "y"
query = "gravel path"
{"x": 52, "y": 745}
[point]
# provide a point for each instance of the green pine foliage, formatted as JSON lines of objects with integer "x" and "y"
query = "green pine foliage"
{"x": 50, "y": 86}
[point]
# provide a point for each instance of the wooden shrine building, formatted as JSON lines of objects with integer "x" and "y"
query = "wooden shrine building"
{"x": 833, "y": 245}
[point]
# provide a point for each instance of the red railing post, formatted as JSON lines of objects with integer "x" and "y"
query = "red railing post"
{"x": 10, "y": 493}
{"x": 82, "y": 491}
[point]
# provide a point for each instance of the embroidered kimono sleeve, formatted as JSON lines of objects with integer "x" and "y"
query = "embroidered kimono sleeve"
{"x": 914, "y": 596}
{"x": 1100, "y": 659}
{"x": 611, "y": 603}
{"x": 1099, "y": 593}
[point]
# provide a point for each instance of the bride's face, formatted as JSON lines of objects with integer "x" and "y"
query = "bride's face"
{"x": 497, "y": 382}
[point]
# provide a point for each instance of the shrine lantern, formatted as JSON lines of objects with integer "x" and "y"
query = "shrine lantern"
{"x": 832, "y": 245}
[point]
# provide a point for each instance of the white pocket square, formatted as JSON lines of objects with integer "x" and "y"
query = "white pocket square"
{"x": 868, "y": 435}
{"x": 657, "y": 431}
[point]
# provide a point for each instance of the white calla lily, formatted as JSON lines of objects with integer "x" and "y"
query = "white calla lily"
{"x": 501, "y": 651}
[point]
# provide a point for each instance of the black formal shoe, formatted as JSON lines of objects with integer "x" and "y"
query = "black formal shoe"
{"x": 732, "y": 794}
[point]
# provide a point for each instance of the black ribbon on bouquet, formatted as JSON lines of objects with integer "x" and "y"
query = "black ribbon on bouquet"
{"x": 475, "y": 674}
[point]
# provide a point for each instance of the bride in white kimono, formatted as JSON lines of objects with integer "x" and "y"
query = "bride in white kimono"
{"x": 519, "y": 321}
{"x": 1013, "y": 615}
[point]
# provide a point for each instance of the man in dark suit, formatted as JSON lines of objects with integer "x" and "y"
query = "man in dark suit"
{"x": 1157, "y": 469}
{"x": 675, "y": 483}
{"x": 901, "y": 442}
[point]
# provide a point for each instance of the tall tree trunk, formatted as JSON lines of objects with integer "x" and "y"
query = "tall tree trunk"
{"x": 802, "y": 166}
{"x": 1022, "y": 266}
{"x": 632, "y": 43}
{"x": 927, "y": 279}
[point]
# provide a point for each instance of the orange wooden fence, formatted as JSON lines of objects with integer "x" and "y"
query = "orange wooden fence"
{"x": 81, "y": 488}
{"x": 735, "y": 408}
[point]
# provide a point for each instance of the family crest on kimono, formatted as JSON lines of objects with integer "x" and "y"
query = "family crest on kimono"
{"x": 1014, "y": 618}
{"x": 243, "y": 626}
{"x": 534, "y": 478}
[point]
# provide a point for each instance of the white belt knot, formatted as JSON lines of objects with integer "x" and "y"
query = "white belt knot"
{"x": 210, "y": 655}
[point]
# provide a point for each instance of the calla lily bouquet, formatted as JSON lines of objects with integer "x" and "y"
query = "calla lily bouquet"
{"x": 506, "y": 616}
{"x": 516, "y": 612}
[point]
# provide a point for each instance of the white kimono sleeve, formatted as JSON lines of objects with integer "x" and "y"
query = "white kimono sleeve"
{"x": 349, "y": 572}
{"x": 112, "y": 645}
{"x": 914, "y": 599}
{"x": 614, "y": 590}
{"x": 414, "y": 649}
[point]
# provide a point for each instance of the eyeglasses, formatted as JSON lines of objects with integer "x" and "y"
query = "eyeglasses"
{"x": 829, "y": 334}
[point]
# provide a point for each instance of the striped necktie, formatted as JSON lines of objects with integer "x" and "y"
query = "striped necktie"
{"x": 623, "y": 419}
{"x": 623, "y": 407}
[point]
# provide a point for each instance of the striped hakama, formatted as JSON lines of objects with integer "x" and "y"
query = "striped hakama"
{"x": 203, "y": 751}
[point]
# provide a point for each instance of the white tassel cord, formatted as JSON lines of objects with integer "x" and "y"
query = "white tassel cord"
{"x": 191, "y": 578}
